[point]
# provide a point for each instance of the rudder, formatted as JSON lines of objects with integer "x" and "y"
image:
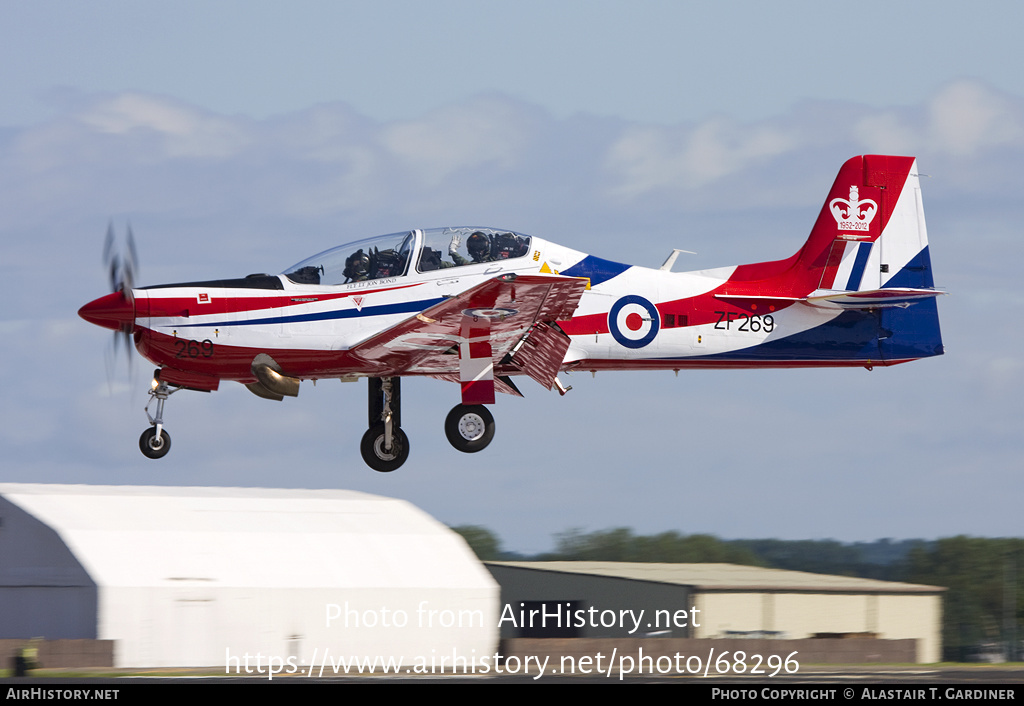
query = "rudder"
{"x": 870, "y": 228}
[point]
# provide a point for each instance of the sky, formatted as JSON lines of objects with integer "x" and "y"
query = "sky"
{"x": 241, "y": 137}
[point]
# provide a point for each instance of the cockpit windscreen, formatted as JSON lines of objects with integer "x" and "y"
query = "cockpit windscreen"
{"x": 372, "y": 258}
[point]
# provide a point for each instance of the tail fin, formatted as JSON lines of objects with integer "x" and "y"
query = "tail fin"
{"x": 870, "y": 246}
{"x": 868, "y": 253}
{"x": 870, "y": 233}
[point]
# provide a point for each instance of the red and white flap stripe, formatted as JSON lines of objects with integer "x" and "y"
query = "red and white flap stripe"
{"x": 476, "y": 367}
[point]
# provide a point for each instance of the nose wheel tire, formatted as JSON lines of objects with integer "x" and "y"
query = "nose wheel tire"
{"x": 376, "y": 456}
{"x": 469, "y": 428}
{"x": 153, "y": 446}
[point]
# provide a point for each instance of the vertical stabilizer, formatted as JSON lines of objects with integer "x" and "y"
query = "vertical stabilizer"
{"x": 871, "y": 231}
{"x": 867, "y": 255}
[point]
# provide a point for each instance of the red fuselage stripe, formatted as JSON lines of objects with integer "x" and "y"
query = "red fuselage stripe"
{"x": 196, "y": 306}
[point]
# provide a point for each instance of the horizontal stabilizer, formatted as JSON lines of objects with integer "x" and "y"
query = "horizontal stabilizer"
{"x": 901, "y": 297}
{"x": 756, "y": 297}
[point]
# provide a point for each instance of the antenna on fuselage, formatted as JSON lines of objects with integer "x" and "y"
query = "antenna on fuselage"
{"x": 671, "y": 260}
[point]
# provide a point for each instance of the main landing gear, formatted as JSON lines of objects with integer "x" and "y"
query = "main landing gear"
{"x": 469, "y": 428}
{"x": 155, "y": 442}
{"x": 385, "y": 447}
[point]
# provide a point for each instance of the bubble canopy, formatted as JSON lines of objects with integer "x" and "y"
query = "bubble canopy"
{"x": 370, "y": 258}
{"x": 398, "y": 254}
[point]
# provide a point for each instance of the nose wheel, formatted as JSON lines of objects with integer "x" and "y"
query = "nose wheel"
{"x": 153, "y": 445}
{"x": 469, "y": 428}
{"x": 155, "y": 442}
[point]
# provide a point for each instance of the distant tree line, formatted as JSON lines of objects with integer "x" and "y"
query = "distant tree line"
{"x": 983, "y": 607}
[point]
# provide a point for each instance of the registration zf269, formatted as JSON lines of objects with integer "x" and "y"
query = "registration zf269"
{"x": 744, "y": 322}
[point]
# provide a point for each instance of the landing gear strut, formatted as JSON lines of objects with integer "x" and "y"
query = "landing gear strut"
{"x": 155, "y": 442}
{"x": 384, "y": 447}
{"x": 469, "y": 428}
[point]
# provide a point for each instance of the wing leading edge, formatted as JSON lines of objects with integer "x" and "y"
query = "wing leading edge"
{"x": 507, "y": 321}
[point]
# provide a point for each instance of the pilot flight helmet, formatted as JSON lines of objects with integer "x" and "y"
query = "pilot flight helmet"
{"x": 506, "y": 245}
{"x": 357, "y": 265}
{"x": 430, "y": 259}
{"x": 385, "y": 263}
{"x": 479, "y": 246}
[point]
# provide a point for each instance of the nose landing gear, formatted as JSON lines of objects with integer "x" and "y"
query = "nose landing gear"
{"x": 153, "y": 445}
{"x": 155, "y": 442}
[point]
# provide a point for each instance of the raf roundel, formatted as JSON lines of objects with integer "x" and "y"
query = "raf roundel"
{"x": 633, "y": 321}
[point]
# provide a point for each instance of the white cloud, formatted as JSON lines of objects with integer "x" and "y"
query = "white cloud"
{"x": 966, "y": 117}
{"x": 186, "y": 132}
{"x": 482, "y": 133}
{"x": 887, "y": 133}
{"x": 650, "y": 158}
{"x": 133, "y": 152}
{"x": 962, "y": 120}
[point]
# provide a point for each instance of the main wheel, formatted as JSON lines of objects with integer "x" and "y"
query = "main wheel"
{"x": 153, "y": 447}
{"x": 469, "y": 428}
{"x": 376, "y": 457}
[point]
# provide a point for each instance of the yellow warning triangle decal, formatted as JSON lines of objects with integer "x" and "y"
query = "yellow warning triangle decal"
{"x": 545, "y": 269}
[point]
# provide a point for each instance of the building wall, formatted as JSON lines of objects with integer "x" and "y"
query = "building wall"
{"x": 61, "y": 654}
{"x": 724, "y": 612}
{"x": 804, "y": 614}
{"x": 217, "y": 627}
{"x": 44, "y": 590}
{"x": 662, "y": 602}
{"x": 217, "y": 577}
{"x": 801, "y": 615}
{"x": 794, "y": 615}
{"x": 913, "y": 616}
{"x": 679, "y": 656}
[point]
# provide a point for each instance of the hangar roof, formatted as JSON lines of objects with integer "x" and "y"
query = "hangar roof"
{"x": 722, "y": 577}
{"x": 229, "y": 536}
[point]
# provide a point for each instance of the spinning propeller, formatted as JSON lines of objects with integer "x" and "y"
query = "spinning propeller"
{"x": 121, "y": 268}
{"x": 116, "y": 310}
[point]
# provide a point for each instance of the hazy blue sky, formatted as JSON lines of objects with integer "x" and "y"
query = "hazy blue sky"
{"x": 660, "y": 62}
{"x": 242, "y": 137}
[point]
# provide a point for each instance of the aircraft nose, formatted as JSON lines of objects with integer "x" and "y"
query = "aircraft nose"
{"x": 114, "y": 311}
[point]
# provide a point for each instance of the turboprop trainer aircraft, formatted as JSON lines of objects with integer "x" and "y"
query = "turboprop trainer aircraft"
{"x": 480, "y": 306}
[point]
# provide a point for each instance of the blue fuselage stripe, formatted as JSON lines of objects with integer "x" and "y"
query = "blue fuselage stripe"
{"x": 383, "y": 310}
{"x": 595, "y": 269}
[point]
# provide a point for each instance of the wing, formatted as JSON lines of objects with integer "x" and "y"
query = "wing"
{"x": 507, "y": 321}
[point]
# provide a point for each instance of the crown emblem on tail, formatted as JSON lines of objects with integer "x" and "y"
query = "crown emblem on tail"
{"x": 853, "y": 213}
